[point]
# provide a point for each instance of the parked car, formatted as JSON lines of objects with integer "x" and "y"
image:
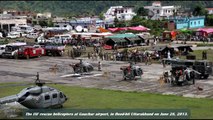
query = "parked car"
{"x": 13, "y": 35}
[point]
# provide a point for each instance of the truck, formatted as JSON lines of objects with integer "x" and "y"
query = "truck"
{"x": 54, "y": 49}
{"x": 2, "y": 49}
{"x": 204, "y": 67}
{"x": 31, "y": 51}
{"x": 11, "y": 50}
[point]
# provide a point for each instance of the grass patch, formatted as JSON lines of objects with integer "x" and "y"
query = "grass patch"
{"x": 80, "y": 98}
{"x": 198, "y": 54}
{"x": 204, "y": 44}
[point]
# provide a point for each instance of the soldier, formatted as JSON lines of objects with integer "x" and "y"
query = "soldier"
{"x": 81, "y": 66}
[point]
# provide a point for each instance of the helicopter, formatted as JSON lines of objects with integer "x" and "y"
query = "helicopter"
{"x": 37, "y": 97}
{"x": 180, "y": 76}
{"x": 131, "y": 71}
{"x": 82, "y": 67}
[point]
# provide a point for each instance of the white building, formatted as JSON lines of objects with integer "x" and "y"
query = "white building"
{"x": 158, "y": 12}
{"x": 210, "y": 10}
{"x": 121, "y": 12}
{"x": 8, "y": 21}
{"x": 44, "y": 15}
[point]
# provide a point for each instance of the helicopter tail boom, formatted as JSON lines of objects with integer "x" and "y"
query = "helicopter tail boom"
{"x": 9, "y": 99}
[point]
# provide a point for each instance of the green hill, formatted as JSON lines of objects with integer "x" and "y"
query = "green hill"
{"x": 73, "y": 8}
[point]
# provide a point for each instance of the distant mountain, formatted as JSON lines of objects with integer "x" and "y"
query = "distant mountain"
{"x": 74, "y": 8}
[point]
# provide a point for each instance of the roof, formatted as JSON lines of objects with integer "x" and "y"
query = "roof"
{"x": 134, "y": 38}
{"x": 116, "y": 40}
{"x": 159, "y": 48}
{"x": 122, "y": 36}
{"x": 209, "y": 8}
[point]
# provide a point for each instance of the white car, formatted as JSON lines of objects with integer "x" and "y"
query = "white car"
{"x": 13, "y": 35}
{"x": 32, "y": 35}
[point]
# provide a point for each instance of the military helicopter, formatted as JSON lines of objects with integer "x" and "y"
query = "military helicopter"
{"x": 131, "y": 71}
{"x": 37, "y": 97}
{"x": 180, "y": 75}
{"x": 82, "y": 67}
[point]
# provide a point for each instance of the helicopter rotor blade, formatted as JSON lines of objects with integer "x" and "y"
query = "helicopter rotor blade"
{"x": 15, "y": 85}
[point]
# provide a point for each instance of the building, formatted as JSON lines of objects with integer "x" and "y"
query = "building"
{"x": 19, "y": 13}
{"x": 121, "y": 12}
{"x": 83, "y": 23}
{"x": 45, "y": 15}
{"x": 157, "y": 11}
{"x": 210, "y": 10}
{"x": 7, "y": 21}
{"x": 187, "y": 22}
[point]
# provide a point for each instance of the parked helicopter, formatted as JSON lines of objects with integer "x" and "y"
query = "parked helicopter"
{"x": 37, "y": 97}
{"x": 180, "y": 76}
{"x": 131, "y": 71}
{"x": 82, "y": 67}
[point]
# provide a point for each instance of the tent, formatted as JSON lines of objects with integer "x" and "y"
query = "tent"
{"x": 102, "y": 30}
{"x": 117, "y": 29}
{"x": 138, "y": 28}
{"x": 207, "y": 30}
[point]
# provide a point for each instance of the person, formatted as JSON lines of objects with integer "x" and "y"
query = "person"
{"x": 168, "y": 55}
{"x": 89, "y": 56}
{"x": 204, "y": 55}
{"x": 99, "y": 66}
{"x": 164, "y": 63}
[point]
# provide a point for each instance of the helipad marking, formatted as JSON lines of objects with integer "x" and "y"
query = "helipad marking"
{"x": 70, "y": 75}
{"x": 90, "y": 76}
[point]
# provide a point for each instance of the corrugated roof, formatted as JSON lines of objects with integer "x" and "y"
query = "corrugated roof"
{"x": 117, "y": 40}
{"x": 122, "y": 36}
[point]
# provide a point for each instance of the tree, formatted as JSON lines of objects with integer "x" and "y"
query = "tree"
{"x": 43, "y": 23}
{"x": 116, "y": 21}
{"x": 199, "y": 10}
{"x": 142, "y": 12}
{"x": 101, "y": 16}
{"x": 136, "y": 20}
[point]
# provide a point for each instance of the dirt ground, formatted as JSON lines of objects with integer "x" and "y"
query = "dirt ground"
{"x": 110, "y": 77}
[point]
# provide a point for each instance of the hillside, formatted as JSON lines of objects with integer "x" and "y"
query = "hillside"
{"x": 73, "y": 8}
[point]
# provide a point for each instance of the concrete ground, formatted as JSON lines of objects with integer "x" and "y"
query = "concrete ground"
{"x": 110, "y": 77}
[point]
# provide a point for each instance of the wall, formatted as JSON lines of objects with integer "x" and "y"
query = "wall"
{"x": 181, "y": 25}
{"x": 196, "y": 23}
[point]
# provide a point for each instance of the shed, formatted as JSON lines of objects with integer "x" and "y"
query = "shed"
{"x": 120, "y": 42}
{"x": 135, "y": 40}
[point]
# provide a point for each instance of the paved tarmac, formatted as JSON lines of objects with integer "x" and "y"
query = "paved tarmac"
{"x": 110, "y": 77}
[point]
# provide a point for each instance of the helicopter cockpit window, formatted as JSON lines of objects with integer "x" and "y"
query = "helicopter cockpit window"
{"x": 55, "y": 95}
{"x": 61, "y": 95}
{"x": 47, "y": 97}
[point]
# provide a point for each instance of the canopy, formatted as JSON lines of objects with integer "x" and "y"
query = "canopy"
{"x": 122, "y": 36}
{"x": 138, "y": 28}
{"x": 102, "y": 30}
{"x": 117, "y": 29}
{"x": 207, "y": 30}
{"x": 185, "y": 30}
